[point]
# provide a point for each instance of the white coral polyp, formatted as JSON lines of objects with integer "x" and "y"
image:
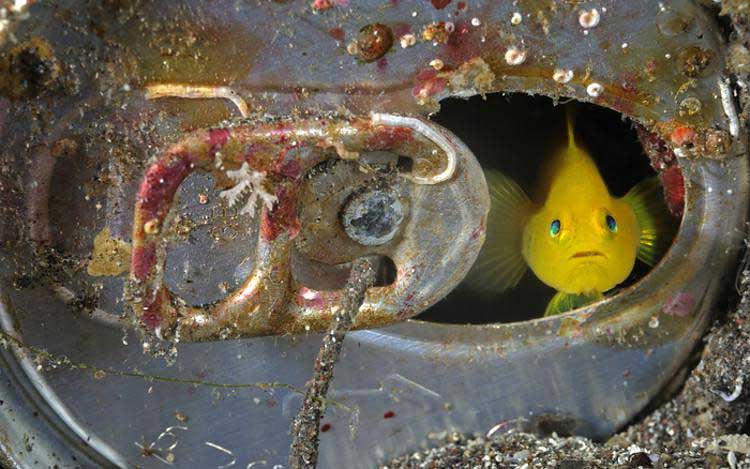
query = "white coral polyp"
{"x": 249, "y": 182}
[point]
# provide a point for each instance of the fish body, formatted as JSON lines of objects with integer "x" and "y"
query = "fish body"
{"x": 576, "y": 238}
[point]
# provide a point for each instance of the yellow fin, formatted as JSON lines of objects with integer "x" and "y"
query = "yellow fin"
{"x": 501, "y": 265}
{"x": 657, "y": 225}
{"x": 570, "y": 121}
{"x": 564, "y": 302}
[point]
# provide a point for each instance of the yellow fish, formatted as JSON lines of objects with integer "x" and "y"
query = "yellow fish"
{"x": 578, "y": 239}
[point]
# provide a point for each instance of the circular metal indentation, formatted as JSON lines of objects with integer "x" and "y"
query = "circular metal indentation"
{"x": 373, "y": 217}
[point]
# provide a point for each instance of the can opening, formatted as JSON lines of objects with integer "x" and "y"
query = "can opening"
{"x": 515, "y": 134}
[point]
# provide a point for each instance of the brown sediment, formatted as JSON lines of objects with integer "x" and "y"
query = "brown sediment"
{"x": 110, "y": 256}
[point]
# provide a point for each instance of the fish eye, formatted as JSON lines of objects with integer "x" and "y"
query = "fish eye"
{"x": 611, "y": 223}
{"x": 554, "y": 228}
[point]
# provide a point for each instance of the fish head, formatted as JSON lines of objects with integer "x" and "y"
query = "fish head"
{"x": 583, "y": 245}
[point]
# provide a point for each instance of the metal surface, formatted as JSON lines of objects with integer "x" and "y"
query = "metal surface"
{"x": 91, "y": 128}
{"x": 432, "y": 255}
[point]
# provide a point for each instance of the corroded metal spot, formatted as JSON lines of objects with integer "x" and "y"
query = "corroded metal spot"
{"x": 373, "y": 42}
{"x": 29, "y": 69}
{"x": 373, "y": 217}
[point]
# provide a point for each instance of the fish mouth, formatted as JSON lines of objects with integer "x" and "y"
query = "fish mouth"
{"x": 580, "y": 254}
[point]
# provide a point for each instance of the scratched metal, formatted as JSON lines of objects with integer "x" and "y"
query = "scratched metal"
{"x": 589, "y": 371}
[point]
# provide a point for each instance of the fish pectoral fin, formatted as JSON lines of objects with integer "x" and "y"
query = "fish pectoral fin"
{"x": 564, "y": 302}
{"x": 657, "y": 225}
{"x": 501, "y": 265}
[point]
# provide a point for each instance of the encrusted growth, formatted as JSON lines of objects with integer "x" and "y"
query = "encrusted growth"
{"x": 251, "y": 187}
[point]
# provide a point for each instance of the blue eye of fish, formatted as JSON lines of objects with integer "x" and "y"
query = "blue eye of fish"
{"x": 611, "y": 223}
{"x": 554, "y": 228}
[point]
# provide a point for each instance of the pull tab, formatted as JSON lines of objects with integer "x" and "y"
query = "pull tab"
{"x": 429, "y": 222}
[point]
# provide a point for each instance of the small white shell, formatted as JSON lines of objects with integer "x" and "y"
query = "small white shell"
{"x": 515, "y": 56}
{"x": 589, "y": 18}
{"x": 562, "y": 76}
{"x": 594, "y": 90}
{"x": 407, "y": 40}
{"x": 516, "y": 19}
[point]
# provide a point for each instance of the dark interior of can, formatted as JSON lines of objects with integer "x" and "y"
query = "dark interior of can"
{"x": 514, "y": 133}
